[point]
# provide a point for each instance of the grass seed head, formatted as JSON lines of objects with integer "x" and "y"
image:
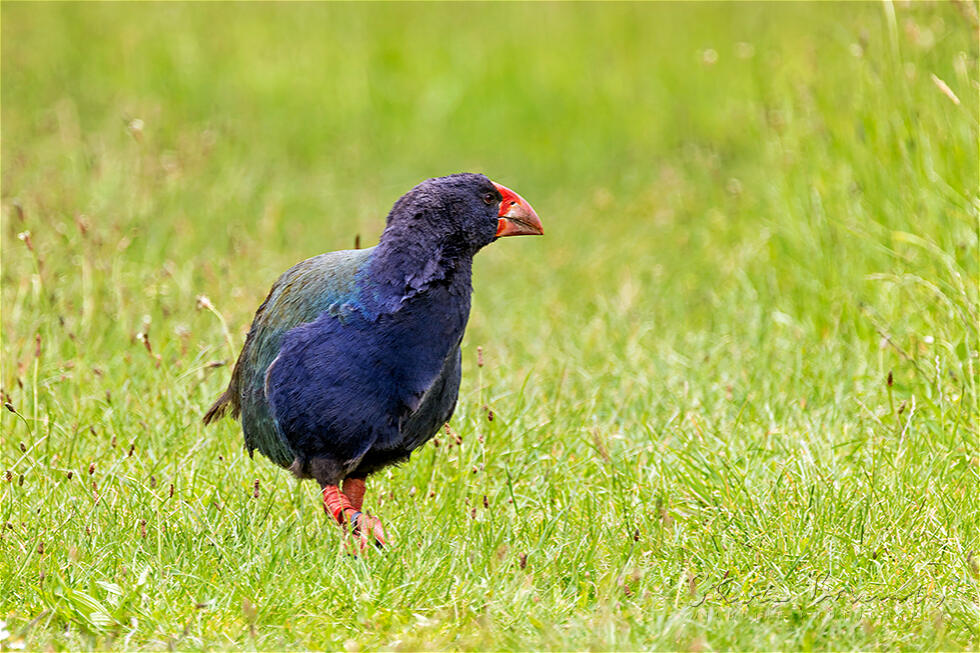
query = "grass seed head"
{"x": 945, "y": 89}
{"x": 83, "y": 224}
{"x": 135, "y": 129}
{"x": 25, "y": 237}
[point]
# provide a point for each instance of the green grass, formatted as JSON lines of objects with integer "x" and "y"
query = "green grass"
{"x": 756, "y": 215}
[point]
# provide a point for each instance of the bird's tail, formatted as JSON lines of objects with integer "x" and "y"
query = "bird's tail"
{"x": 220, "y": 407}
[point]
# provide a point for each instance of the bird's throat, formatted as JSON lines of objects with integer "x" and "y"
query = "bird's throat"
{"x": 401, "y": 273}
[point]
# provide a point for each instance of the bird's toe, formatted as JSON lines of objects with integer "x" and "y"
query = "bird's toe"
{"x": 367, "y": 529}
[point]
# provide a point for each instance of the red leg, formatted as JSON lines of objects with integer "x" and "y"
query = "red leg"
{"x": 354, "y": 490}
{"x": 336, "y": 504}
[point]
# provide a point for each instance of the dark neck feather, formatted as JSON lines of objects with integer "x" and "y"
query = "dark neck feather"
{"x": 408, "y": 262}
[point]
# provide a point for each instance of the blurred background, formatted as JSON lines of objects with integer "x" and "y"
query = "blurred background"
{"x": 697, "y": 166}
{"x": 755, "y": 214}
{"x": 267, "y": 133}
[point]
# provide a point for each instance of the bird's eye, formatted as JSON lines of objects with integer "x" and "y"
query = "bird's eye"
{"x": 488, "y": 198}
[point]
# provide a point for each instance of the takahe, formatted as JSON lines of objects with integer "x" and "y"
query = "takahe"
{"x": 353, "y": 361}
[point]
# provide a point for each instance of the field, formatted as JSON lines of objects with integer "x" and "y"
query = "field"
{"x": 728, "y": 401}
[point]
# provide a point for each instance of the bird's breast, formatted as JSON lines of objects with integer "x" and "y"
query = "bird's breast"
{"x": 420, "y": 338}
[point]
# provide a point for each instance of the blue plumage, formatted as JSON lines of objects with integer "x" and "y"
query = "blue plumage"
{"x": 361, "y": 372}
{"x": 353, "y": 359}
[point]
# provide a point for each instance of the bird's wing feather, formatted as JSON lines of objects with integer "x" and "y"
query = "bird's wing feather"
{"x": 303, "y": 293}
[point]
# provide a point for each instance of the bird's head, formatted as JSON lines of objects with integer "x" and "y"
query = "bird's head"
{"x": 467, "y": 210}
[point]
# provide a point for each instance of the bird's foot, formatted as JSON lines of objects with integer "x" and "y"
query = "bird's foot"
{"x": 364, "y": 528}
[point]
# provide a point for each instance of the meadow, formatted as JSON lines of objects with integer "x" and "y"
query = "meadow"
{"x": 728, "y": 401}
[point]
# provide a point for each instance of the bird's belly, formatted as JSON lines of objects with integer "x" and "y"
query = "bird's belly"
{"x": 434, "y": 410}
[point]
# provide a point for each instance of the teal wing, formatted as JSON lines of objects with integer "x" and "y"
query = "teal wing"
{"x": 301, "y": 294}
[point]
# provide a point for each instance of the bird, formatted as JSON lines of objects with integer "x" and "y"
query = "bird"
{"x": 353, "y": 360}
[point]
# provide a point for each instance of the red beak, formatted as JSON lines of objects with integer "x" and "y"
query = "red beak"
{"x": 516, "y": 217}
